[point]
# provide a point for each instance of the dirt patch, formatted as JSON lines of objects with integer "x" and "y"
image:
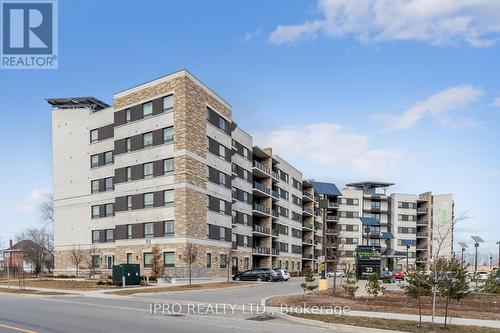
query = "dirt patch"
{"x": 199, "y": 286}
{"x": 29, "y": 292}
{"x": 397, "y": 325}
{"x": 66, "y": 284}
{"x": 477, "y": 306}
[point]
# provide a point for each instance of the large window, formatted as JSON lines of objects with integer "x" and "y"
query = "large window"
{"x": 147, "y": 109}
{"x": 94, "y": 135}
{"x": 129, "y": 231}
{"x": 246, "y": 263}
{"x": 168, "y": 165}
{"x": 129, "y": 258}
{"x": 109, "y": 209}
{"x": 169, "y": 259}
{"x": 209, "y": 260}
{"x": 94, "y": 161}
{"x": 96, "y": 236}
{"x": 149, "y": 230}
{"x": 168, "y": 134}
{"x": 222, "y": 206}
{"x": 129, "y": 202}
{"x": 96, "y": 211}
{"x": 168, "y": 103}
{"x": 147, "y": 139}
{"x": 95, "y": 186}
{"x": 148, "y": 200}
{"x": 109, "y": 235}
{"x": 222, "y": 260}
{"x": 148, "y": 170}
{"x": 222, "y": 233}
{"x": 96, "y": 261}
{"x": 128, "y": 117}
{"x": 148, "y": 258}
{"x": 222, "y": 151}
{"x": 129, "y": 173}
{"x": 168, "y": 197}
{"x": 109, "y": 183}
{"x": 169, "y": 228}
{"x": 222, "y": 124}
{"x": 128, "y": 144}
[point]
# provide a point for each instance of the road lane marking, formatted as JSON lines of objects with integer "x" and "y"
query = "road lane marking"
{"x": 17, "y": 329}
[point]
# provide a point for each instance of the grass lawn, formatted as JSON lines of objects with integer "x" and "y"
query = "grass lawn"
{"x": 198, "y": 286}
{"x": 28, "y": 291}
{"x": 64, "y": 284}
{"x": 477, "y": 306}
{"x": 396, "y": 325}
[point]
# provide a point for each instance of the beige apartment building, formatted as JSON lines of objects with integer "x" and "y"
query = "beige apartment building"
{"x": 166, "y": 166}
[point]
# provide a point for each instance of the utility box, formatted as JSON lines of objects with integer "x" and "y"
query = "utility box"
{"x": 131, "y": 272}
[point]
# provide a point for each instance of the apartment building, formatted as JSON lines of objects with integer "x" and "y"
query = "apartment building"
{"x": 166, "y": 166}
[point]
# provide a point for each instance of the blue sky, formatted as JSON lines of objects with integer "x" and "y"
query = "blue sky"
{"x": 403, "y": 94}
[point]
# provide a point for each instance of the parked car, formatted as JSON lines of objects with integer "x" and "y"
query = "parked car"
{"x": 481, "y": 276}
{"x": 280, "y": 275}
{"x": 253, "y": 275}
{"x": 398, "y": 275}
{"x": 338, "y": 274}
{"x": 284, "y": 274}
{"x": 274, "y": 275}
{"x": 387, "y": 276}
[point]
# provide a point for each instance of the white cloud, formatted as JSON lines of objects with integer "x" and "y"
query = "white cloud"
{"x": 439, "y": 106}
{"x": 251, "y": 35}
{"x": 495, "y": 103}
{"x": 33, "y": 200}
{"x": 329, "y": 145}
{"x": 438, "y": 22}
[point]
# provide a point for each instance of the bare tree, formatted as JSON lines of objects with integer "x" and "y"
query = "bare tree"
{"x": 76, "y": 255}
{"x": 229, "y": 263}
{"x": 47, "y": 209}
{"x": 155, "y": 261}
{"x": 189, "y": 256}
{"x": 89, "y": 259}
{"x": 37, "y": 247}
{"x": 334, "y": 253}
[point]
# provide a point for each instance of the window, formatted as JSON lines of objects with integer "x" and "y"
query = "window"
{"x": 147, "y": 109}
{"x": 222, "y": 178}
{"x": 375, "y": 204}
{"x": 108, "y": 157}
{"x": 168, "y": 197}
{"x": 222, "y": 261}
{"x": 168, "y": 103}
{"x": 109, "y": 183}
{"x": 168, "y": 134}
{"x": 129, "y": 202}
{"x": 128, "y": 144}
{"x": 129, "y": 231}
{"x": 222, "y": 123}
{"x": 109, "y": 260}
{"x": 96, "y": 236}
{"x": 246, "y": 263}
{"x": 169, "y": 259}
{"x": 222, "y": 151}
{"x": 148, "y": 200}
{"x": 222, "y": 206}
{"x": 129, "y": 173}
{"x": 96, "y": 261}
{"x": 94, "y": 161}
{"x": 127, "y": 116}
{"x": 149, "y": 230}
{"x": 95, "y": 211}
{"x": 222, "y": 233}
{"x": 209, "y": 260}
{"x": 94, "y": 135}
{"x": 169, "y": 228}
{"x": 109, "y": 235}
{"x": 148, "y": 170}
{"x": 109, "y": 209}
{"x": 129, "y": 258}
{"x": 148, "y": 258}
{"x": 147, "y": 140}
{"x": 245, "y": 240}
{"x": 168, "y": 165}
{"x": 95, "y": 186}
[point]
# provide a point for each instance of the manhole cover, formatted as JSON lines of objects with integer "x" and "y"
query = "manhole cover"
{"x": 262, "y": 318}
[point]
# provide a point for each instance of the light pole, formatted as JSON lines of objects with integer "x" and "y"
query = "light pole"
{"x": 491, "y": 262}
{"x": 323, "y": 205}
{"x": 476, "y": 240}
{"x": 463, "y": 245}
{"x": 498, "y": 254}
{"x": 407, "y": 242}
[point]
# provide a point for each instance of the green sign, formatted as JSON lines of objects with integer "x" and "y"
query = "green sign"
{"x": 367, "y": 253}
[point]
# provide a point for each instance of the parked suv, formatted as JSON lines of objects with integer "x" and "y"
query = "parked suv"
{"x": 253, "y": 275}
{"x": 284, "y": 273}
{"x": 274, "y": 275}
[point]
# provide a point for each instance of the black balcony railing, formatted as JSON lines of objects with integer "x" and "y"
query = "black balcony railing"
{"x": 261, "y": 229}
{"x": 261, "y": 250}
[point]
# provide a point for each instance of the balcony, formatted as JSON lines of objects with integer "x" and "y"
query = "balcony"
{"x": 261, "y": 170}
{"x": 422, "y": 235}
{"x": 422, "y": 210}
{"x": 307, "y": 226}
{"x": 330, "y": 231}
{"x": 275, "y": 175}
{"x": 275, "y": 214}
{"x": 260, "y": 190}
{"x": 261, "y": 230}
{"x": 275, "y": 195}
{"x": 308, "y": 211}
{"x": 261, "y": 210}
{"x": 422, "y": 247}
{"x": 307, "y": 241}
{"x": 307, "y": 256}
{"x": 307, "y": 197}
{"x": 275, "y": 233}
{"x": 261, "y": 250}
{"x": 275, "y": 252}
{"x": 422, "y": 222}
{"x": 333, "y": 205}
{"x": 332, "y": 217}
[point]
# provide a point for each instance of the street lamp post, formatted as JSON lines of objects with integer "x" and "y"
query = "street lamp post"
{"x": 498, "y": 254}
{"x": 477, "y": 240}
{"x": 323, "y": 205}
{"x": 464, "y": 246}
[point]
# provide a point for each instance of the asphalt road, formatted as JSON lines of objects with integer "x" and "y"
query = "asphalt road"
{"x": 68, "y": 314}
